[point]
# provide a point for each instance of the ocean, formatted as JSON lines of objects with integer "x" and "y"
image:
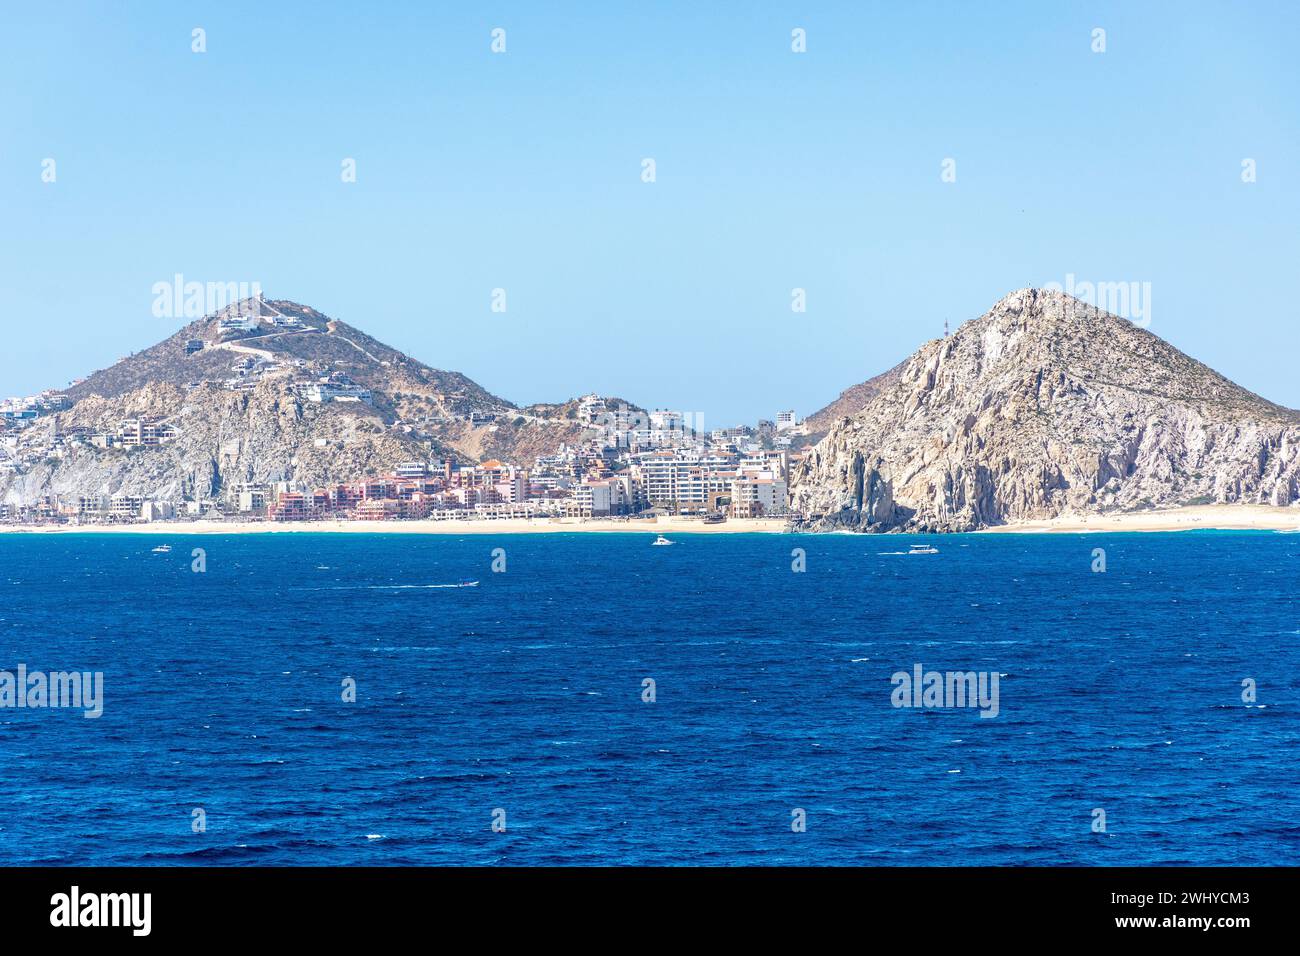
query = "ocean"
{"x": 512, "y": 722}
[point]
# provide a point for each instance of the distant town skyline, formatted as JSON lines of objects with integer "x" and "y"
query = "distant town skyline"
{"x": 683, "y": 208}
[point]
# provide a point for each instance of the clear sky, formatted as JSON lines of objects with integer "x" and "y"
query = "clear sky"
{"x": 774, "y": 170}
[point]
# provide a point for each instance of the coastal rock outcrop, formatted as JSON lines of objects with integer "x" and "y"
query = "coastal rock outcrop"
{"x": 1044, "y": 406}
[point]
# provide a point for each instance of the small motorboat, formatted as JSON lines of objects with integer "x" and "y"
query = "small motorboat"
{"x": 162, "y": 549}
{"x": 661, "y": 541}
{"x": 923, "y": 549}
{"x": 466, "y": 583}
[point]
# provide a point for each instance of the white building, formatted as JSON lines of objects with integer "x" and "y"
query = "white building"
{"x": 601, "y": 497}
{"x": 660, "y": 474}
{"x": 238, "y": 323}
{"x": 757, "y": 493}
{"x": 135, "y": 432}
{"x": 126, "y": 507}
{"x": 252, "y": 498}
{"x": 157, "y": 511}
{"x": 334, "y": 392}
{"x": 92, "y": 505}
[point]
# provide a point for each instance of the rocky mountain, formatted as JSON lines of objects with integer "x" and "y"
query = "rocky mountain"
{"x": 297, "y": 336}
{"x": 266, "y": 391}
{"x": 1040, "y": 407}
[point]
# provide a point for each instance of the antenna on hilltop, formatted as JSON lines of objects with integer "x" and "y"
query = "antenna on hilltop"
{"x": 945, "y": 328}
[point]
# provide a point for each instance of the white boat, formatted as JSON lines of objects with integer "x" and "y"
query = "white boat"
{"x": 162, "y": 549}
{"x": 466, "y": 583}
{"x": 923, "y": 549}
{"x": 661, "y": 540}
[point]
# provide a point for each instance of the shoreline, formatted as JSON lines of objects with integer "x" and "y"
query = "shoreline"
{"x": 662, "y": 525}
{"x": 1189, "y": 518}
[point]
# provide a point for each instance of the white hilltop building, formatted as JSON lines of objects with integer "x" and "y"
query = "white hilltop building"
{"x": 242, "y": 316}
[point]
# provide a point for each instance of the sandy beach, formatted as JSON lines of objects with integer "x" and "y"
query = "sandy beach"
{"x": 661, "y": 525}
{"x": 1218, "y": 517}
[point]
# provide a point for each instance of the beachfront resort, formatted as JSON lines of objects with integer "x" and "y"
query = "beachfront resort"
{"x": 637, "y": 463}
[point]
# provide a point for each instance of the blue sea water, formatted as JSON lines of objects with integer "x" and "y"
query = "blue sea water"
{"x": 223, "y": 691}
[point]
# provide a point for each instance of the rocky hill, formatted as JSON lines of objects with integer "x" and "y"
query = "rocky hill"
{"x": 235, "y": 390}
{"x": 289, "y": 333}
{"x": 1045, "y": 406}
{"x": 223, "y": 438}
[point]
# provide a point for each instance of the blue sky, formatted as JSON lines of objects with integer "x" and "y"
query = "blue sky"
{"x": 775, "y": 170}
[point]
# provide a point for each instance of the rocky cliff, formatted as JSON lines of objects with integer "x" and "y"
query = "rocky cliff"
{"x": 223, "y": 439}
{"x": 1045, "y": 406}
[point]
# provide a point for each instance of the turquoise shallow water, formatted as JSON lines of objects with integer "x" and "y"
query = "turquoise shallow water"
{"x": 222, "y": 691}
